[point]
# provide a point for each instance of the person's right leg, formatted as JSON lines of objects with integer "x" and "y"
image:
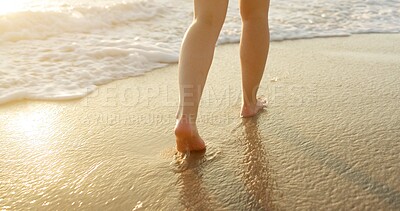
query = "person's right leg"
{"x": 194, "y": 62}
{"x": 254, "y": 46}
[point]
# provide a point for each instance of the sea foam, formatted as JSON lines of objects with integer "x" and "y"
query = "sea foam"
{"x": 66, "y": 50}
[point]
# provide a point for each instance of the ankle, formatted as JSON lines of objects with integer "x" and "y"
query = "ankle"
{"x": 249, "y": 101}
{"x": 189, "y": 119}
{"x": 248, "y": 104}
{"x": 184, "y": 124}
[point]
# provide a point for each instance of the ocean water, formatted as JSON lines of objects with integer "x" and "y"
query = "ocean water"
{"x": 64, "y": 49}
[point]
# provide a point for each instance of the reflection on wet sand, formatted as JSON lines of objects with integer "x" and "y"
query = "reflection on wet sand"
{"x": 255, "y": 172}
{"x": 248, "y": 187}
{"x": 193, "y": 193}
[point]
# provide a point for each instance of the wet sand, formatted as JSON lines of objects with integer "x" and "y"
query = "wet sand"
{"x": 329, "y": 140}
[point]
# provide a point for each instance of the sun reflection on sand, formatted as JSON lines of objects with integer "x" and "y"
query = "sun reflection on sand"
{"x": 34, "y": 127}
{"x": 34, "y": 164}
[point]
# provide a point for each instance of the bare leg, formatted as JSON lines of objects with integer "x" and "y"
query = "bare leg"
{"x": 196, "y": 55}
{"x": 254, "y": 46}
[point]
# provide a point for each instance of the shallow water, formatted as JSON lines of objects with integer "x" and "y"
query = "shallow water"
{"x": 63, "y": 49}
{"x": 328, "y": 140}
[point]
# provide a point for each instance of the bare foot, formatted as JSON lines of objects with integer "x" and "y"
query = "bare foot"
{"x": 252, "y": 110}
{"x": 187, "y": 137}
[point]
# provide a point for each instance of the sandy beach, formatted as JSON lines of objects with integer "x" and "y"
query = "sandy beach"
{"x": 329, "y": 139}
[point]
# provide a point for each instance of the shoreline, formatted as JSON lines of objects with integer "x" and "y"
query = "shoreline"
{"x": 72, "y": 98}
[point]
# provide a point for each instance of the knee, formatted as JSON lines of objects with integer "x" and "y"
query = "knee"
{"x": 254, "y": 12}
{"x": 211, "y": 21}
{"x": 254, "y": 16}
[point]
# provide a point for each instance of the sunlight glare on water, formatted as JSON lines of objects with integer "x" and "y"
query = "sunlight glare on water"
{"x": 9, "y": 7}
{"x": 13, "y": 6}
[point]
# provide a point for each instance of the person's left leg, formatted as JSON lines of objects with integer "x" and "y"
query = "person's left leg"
{"x": 194, "y": 63}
